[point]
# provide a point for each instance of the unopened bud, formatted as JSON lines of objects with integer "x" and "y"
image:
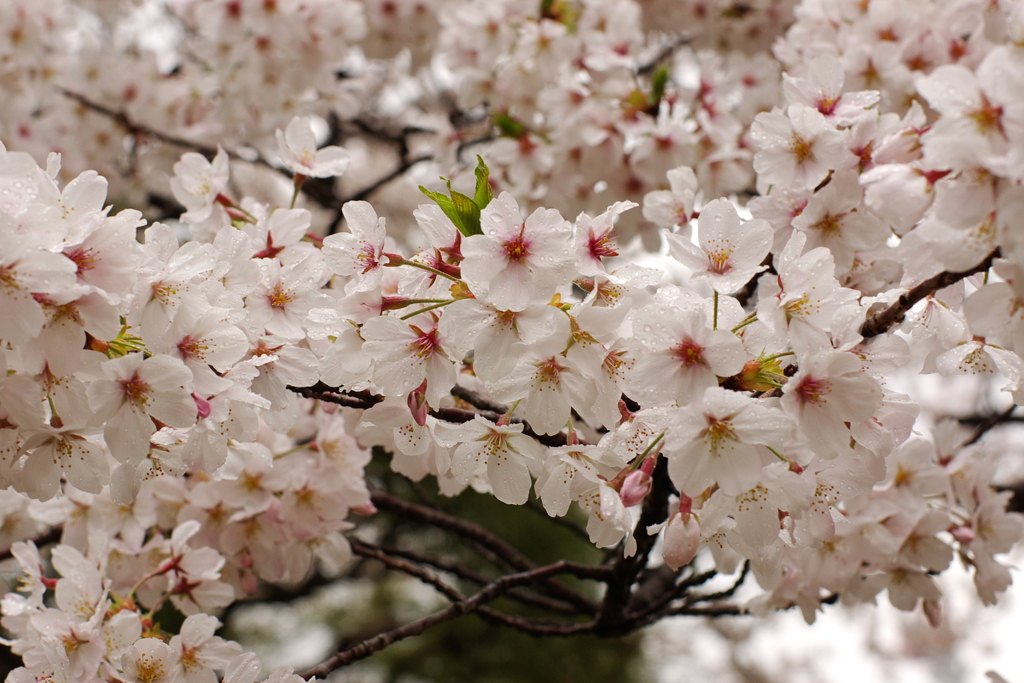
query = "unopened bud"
{"x": 682, "y": 537}
{"x": 635, "y": 488}
{"x": 418, "y": 404}
{"x": 202, "y": 406}
{"x": 933, "y": 612}
{"x": 963, "y": 533}
{"x": 364, "y": 510}
{"x": 761, "y": 374}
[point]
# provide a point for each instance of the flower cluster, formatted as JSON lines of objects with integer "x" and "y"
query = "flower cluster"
{"x": 195, "y": 402}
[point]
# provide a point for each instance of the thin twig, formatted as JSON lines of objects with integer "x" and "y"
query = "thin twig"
{"x": 532, "y": 626}
{"x": 365, "y": 400}
{"x": 664, "y": 54}
{"x": 509, "y": 554}
{"x": 460, "y": 570}
{"x": 453, "y": 611}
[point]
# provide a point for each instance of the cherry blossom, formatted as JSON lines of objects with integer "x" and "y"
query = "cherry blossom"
{"x": 297, "y": 147}
{"x": 730, "y": 252}
{"x": 516, "y": 260}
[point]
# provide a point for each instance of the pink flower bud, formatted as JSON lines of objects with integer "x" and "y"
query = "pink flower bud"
{"x": 682, "y": 536}
{"x": 933, "y": 612}
{"x": 418, "y": 404}
{"x": 635, "y": 488}
{"x": 202, "y": 406}
{"x": 963, "y": 534}
{"x": 364, "y": 510}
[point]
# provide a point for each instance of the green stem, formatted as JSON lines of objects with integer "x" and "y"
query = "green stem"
{"x": 777, "y": 454}
{"x": 749, "y": 319}
{"x": 714, "y": 325}
{"x": 428, "y": 308}
{"x": 427, "y": 268}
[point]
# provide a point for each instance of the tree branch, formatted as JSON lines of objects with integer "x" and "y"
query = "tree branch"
{"x": 881, "y": 322}
{"x": 537, "y": 627}
{"x": 612, "y": 620}
{"x": 459, "y": 570}
{"x": 453, "y": 611}
{"x": 989, "y": 423}
{"x": 364, "y": 400}
{"x": 509, "y": 554}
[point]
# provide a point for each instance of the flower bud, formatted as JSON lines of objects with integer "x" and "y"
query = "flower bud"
{"x": 761, "y": 374}
{"x": 418, "y": 404}
{"x": 963, "y": 534}
{"x": 682, "y": 536}
{"x": 635, "y": 488}
{"x": 202, "y": 406}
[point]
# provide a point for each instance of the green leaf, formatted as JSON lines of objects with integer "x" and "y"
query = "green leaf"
{"x": 508, "y": 126}
{"x": 448, "y": 207}
{"x": 483, "y": 193}
{"x": 659, "y": 79}
{"x": 469, "y": 213}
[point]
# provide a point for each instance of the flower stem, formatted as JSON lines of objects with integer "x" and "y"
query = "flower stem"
{"x": 714, "y": 325}
{"x": 428, "y": 308}
{"x": 752, "y": 318}
{"x": 427, "y": 268}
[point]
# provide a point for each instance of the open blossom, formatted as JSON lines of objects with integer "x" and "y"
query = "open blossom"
{"x": 502, "y": 451}
{"x": 150, "y": 660}
{"x": 822, "y": 89}
{"x": 673, "y": 207}
{"x": 595, "y": 238}
{"x": 197, "y": 183}
{"x": 798, "y": 148}
{"x": 515, "y": 261}
{"x": 199, "y": 651}
{"x": 297, "y": 147}
{"x": 135, "y": 392}
{"x": 681, "y": 356}
{"x": 359, "y": 252}
{"x": 730, "y": 252}
{"x": 406, "y": 354}
{"x": 828, "y": 392}
{"x": 715, "y": 440}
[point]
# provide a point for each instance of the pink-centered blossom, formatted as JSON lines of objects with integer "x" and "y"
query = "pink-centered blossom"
{"x": 728, "y": 251}
{"x": 517, "y": 261}
{"x": 136, "y": 391}
{"x": 715, "y": 441}
{"x": 407, "y": 353}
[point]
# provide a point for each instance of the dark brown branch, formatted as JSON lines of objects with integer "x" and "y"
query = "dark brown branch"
{"x": 458, "y": 569}
{"x": 723, "y": 594}
{"x": 363, "y": 400}
{"x": 139, "y": 130}
{"x": 457, "y": 609}
{"x": 535, "y": 505}
{"x": 536, "y": 627}
{"x": 612, "y": 619}
{"x": 989, "y": 423}
{"x": 663, "y": 54}
{"x": 380, "y": 182}
{"x": 881, "y": 322}
{"x": 320, "y": 192}
{"x": 505, "y": 551}
{"x": 477, "y": 401}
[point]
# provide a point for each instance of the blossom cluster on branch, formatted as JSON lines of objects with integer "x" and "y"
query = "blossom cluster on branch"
{"x": 193, "y": 402}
